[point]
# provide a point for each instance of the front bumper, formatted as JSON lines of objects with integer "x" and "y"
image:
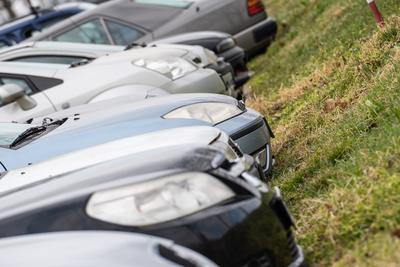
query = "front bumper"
{"x": 252, "y": 134}
{"x": 244, "y": 232}
{"x": 236, "y": 57}
{"x": 258, "y": 36}
{"x": 226, "y": 73}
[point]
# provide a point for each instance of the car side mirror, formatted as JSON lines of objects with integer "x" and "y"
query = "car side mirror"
{"x": 10, "y": 93}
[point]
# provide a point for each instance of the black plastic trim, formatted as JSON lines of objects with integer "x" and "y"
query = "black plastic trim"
{"x": 258, "y": 124}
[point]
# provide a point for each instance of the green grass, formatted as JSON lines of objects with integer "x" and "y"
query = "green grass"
{"x": 330, "y": 88}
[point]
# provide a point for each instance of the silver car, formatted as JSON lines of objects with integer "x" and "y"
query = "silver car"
{"x": 35, "y": 90}
{"x": 122, "y": 22}
{"x": 72, "y": 53}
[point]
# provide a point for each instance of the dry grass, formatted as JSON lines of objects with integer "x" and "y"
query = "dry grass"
{"x": 332, "y": 94}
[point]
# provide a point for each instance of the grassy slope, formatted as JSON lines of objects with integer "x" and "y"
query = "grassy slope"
{"x": 330, "y": 88}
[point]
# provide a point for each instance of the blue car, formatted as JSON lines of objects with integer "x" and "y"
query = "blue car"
{"x": 95, "y": 124}
{"x": 22, "y": 28}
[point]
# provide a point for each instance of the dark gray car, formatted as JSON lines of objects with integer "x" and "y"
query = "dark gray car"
{"x": 122, "y": 22}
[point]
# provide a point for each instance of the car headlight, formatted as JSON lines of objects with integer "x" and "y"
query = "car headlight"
{"x": 173, "y": 68}
{"x": 225, "y": 144}
{"x": 158, "y": 200}
{"x": 212, "y": 112}
{"x": 226, "y": 44}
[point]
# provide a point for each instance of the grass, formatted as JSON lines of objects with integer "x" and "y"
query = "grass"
{"x": 330, "y": 87}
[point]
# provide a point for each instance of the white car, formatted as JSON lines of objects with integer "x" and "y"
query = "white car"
{"x": 31, "y": 90}
{"x": 69, "y": 53}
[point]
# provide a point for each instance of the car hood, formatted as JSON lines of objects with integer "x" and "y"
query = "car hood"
{"x": 135, "y": 168}
{"x": 104, "y": 122}
{"x": 68, "y": 162}
{"x": 192, "y": 37}
{"x": 150, "y": 52}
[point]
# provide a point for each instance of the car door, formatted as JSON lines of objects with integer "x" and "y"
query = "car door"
{"x": 13, "y": 111}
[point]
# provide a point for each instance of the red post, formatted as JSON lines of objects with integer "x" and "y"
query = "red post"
{"x": 377, "y": 13}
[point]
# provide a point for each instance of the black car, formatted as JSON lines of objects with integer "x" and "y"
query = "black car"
{"x": 193, "y": 196}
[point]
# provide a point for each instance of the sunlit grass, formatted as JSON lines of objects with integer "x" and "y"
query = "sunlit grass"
{"x": 330, "y": 87}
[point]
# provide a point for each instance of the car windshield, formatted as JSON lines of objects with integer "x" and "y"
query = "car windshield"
{"x": 172, "y": 3}
{"x": 10, "y": 131}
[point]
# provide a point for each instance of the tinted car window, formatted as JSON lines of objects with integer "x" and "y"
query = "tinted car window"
{"x": 122, "y": 34}
{"x": 89, "y": 32}
{"x": 20, "y": 82}
{"x": 65, "y": 60}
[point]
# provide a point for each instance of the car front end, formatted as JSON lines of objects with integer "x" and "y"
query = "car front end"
{"x": 197, "y": 198}
{"x": 247, "y": 127}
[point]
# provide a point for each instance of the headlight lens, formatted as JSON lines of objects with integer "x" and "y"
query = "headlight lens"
{"x": 173, "y": 68}
{"x": 158, "y": 200}
{"x": 211, "y": 112}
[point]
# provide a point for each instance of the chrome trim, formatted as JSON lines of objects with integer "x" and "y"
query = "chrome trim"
{"x": 299, "y": 260}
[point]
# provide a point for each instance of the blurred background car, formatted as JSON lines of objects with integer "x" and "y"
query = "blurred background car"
{"x": 123, "y": 22}
{"x": 95, "y": 124}
{"x": 97, "y": 248}
{"x": 31, "y": 90}
{"x": 19, "y": 29}
{"x": 192, "y": 195}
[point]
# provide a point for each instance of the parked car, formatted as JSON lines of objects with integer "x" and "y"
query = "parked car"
{"x": 95, "y": 124}
{"x": 81, "y": 158}
{"x": 96, "y": 248}
{"x": 24, "y": 27}
{"x": 192, "y": 195}
{"x": 46, "y": 89}
{"x": 71, "y": 53}
{"x": 123, "y": 22}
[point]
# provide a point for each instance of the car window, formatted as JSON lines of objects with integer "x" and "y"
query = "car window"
{"x": 64, "y": 60}
{"x": 89, "y": 32}
{"x": 10, "y": 131}
{"x": 20, "y": 82}
{"x": 122, "y": 34}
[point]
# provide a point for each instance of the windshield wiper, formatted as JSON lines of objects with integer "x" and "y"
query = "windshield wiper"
{"x": 34, "y": 131}
{"x": 28, "y": 133}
